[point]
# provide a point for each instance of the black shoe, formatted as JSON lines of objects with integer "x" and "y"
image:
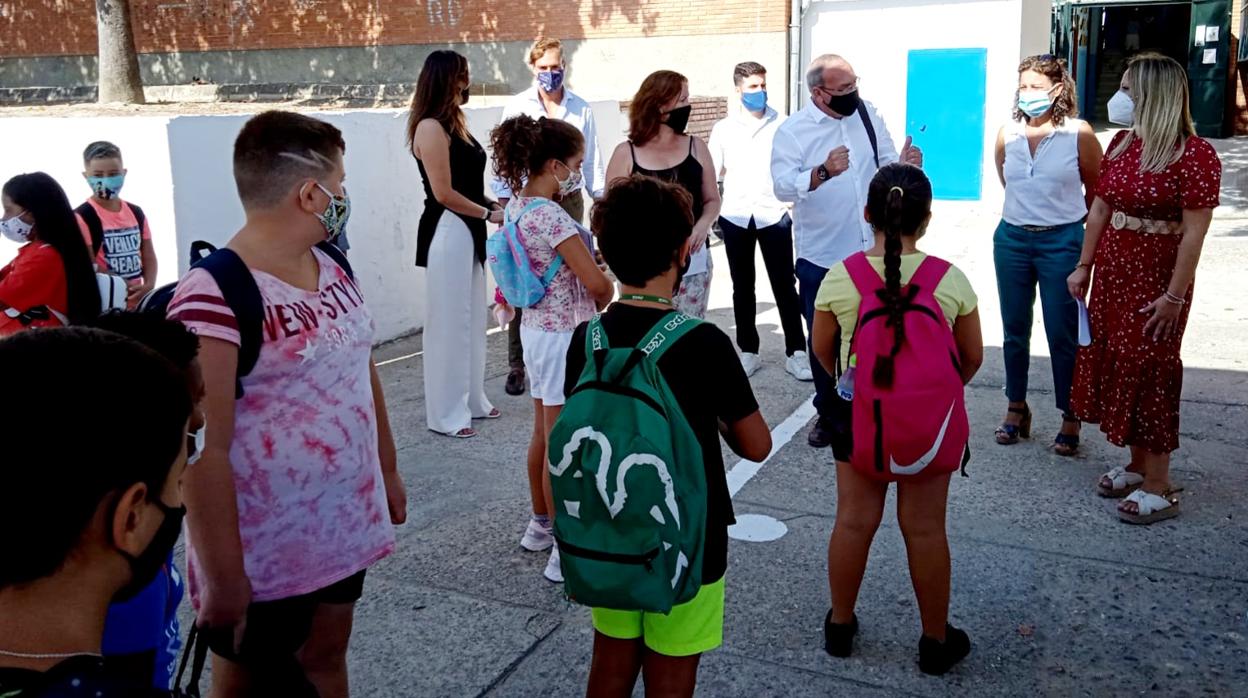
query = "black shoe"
{"x": 936, "y": 658}
{"x": 515, "y": 382}
{"x": 838, "y": 638}
{"x": 820, "y": 435}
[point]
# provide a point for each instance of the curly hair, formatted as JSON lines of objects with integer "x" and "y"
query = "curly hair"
{"x": 645, "y": 113}
{"x": 523, "y": 145}
{"x": 1055, "y": 70}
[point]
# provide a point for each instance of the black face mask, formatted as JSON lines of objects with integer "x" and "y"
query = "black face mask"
{"x": 845, "y": 104}
{"x": 681, "y": 270}
{"x": 464, "y": 94}
{"x": 678, "y": 119}
{"x": 145, "y": 567}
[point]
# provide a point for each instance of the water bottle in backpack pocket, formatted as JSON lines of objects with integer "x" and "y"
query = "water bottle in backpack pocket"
{"x": 909, "y": 408}
{"x": 511, "y": 266}
{"x": 628, "y": 479}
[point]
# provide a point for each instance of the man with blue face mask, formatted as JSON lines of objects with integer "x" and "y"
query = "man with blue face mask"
{"x": 550, "y": 98}
{"x": 752, "y": 215}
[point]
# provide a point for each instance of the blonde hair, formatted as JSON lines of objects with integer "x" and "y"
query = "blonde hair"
{"x": 1163, "y": 119}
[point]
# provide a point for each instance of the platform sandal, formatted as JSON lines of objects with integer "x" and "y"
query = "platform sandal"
{"x": 1009, "y": 434}
{"x": 1067, "y": 444}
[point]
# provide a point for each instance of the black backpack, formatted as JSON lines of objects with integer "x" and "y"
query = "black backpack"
{"x": 240, "y": 292}
{"x": 96, "y": 226}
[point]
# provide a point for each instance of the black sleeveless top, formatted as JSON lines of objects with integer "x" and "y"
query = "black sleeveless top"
{"x": 468, "y": 178}
{"x": 688, "y": 174}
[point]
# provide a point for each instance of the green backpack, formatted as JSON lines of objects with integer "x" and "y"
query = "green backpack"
{"x": 628, "y": 479}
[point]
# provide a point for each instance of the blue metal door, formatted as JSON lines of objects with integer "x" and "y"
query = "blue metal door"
{"x": 945, "y": 101}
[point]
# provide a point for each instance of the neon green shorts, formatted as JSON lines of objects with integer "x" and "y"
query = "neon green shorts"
{"x": 693, "y": 627}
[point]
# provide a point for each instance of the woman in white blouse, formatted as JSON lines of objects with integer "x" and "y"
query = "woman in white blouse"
{"x": 1048, "y": 162}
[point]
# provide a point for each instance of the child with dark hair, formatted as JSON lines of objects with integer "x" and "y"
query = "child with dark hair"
{"x": 51, "y": 281}
{"x": 644, "y": 228}
{"x": 83, "y": 527}
{"x": 898, "y": 208}
{"x": 144, "y": 633}
{"x": 296, "y": 491}
{"x": 118, "y": 231}
{"x": 540, "y": 160}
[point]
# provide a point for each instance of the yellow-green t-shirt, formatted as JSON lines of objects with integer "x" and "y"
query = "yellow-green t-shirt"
{"x": 838, "y": 295}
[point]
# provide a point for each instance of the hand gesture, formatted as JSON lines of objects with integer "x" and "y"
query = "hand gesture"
{"x": 910, "y": 153}
{"x": 838, "y": 161}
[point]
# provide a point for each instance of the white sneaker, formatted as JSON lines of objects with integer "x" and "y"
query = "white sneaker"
{"x": 536, "y": 537}
{"x": 554, "y": 572}
{"x": 750, "y": 362}
{"x": 798, "y": 366}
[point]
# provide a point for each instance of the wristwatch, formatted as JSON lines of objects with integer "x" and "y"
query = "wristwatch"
{"x": 486, "y": 216}
{"x": 822, "y": 173}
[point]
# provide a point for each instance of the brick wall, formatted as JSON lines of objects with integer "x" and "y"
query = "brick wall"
{"x": 67, "y": 27}
{"x": 706, "y": 111}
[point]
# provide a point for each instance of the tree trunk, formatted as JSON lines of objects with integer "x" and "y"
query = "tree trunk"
{"x": 120, "y": 80}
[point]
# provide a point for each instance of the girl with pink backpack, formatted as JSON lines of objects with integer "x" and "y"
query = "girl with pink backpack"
{"x": 900, "y": 331}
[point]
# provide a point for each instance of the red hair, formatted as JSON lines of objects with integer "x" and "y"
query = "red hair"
{"x": 645, "y": 113}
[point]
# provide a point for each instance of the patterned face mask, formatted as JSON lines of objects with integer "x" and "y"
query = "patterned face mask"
{"x": 336, "y": 214}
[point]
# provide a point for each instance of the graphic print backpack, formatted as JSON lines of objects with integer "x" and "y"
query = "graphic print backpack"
{"x": 240, "y": 292}
{"x": 628, "y": 480}
{"x": 510, "y": 264}
{"x": 918, "y": 425}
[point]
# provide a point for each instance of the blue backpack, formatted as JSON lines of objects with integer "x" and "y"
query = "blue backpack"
{"x": 510, "y": 264}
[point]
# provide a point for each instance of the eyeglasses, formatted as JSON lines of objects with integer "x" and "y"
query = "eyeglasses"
{"x": 842, "y": 90}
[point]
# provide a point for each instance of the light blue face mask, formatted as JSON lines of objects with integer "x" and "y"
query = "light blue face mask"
{"x": 107, "y": 187}
{"x": 754, "y": 101}
{"x": 1034, "y": 103}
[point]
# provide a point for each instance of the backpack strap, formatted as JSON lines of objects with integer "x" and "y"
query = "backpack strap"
{"x": 96, "y": 227}
{"x": 555, "y": 265}
{"x": 200, "y": 251}
{"x": 139, "y": 217}
{"x": 864, "y": 276}
{"x": 665, "y": 333}
{"x": 336, "y": 254}
{"x": 870, "y": 127}
{"x": 929, "y": 274}
{"x": 596, "y": 344}
{"x": 240, "y": 292}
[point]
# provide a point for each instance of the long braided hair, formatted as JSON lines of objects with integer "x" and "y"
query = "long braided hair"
{"x": 899, "y": 203}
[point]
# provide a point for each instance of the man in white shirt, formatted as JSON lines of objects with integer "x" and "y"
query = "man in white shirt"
{"x": 822, "y": 161}
{"x": 741, "y": 148}
{"x": 549, "y": 97}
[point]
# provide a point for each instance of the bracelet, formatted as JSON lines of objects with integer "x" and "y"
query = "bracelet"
{"x": 1171, "y": 298}
{"x": 486, "y": 216}
{"x": 1083, "y": 265}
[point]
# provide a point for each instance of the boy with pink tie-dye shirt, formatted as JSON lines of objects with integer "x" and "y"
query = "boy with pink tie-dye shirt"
{"x": 297, "y": 490}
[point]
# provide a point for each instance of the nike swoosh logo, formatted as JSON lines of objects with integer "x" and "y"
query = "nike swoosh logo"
{"x": 927, "y": 458}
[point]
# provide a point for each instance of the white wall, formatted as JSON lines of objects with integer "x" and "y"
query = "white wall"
{"x": 181, "y": 173}
{"x": 876, "y": 36}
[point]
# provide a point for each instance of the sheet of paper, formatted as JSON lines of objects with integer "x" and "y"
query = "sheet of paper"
{"x": 1085, "y": 327}
{"x": 1211, "y": 34}
{"x": 1200, "y": 34}
{"x": 1211, "y": 56}
{"x": 697, "y": 262}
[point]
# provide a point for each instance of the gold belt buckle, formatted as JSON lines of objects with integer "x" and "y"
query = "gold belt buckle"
{"x": 1119, "y": 220}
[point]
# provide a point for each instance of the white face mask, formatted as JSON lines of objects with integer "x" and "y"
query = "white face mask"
{"x": 16, "y": 229}
{"x": 572, "y": 183}
{"x": 1121, "y": 109}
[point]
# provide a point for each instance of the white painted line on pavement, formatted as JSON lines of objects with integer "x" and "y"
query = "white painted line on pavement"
{"x": 494, "y": 330}
{"x": 745, "y": 470}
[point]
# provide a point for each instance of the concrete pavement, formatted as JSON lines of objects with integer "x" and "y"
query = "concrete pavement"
{"x": 1059, "y": 597}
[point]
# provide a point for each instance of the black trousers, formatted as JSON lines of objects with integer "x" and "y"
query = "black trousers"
{"x": 776, "y": 243}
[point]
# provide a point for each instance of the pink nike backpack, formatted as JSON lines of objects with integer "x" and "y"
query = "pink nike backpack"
{"x": 917, "y": 426}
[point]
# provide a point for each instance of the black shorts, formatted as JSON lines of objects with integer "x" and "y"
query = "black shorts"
{"x": 840, "y": 418}
{"x": 275, "y": 632}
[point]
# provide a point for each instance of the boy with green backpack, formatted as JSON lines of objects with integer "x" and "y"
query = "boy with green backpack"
{"x": 642, "y": 507}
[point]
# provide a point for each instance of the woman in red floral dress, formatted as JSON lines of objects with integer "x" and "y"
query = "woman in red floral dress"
{"x": 1159, "y": 186}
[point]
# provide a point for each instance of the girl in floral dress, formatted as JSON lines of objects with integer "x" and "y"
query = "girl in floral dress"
{"x": 1159, "y": 185}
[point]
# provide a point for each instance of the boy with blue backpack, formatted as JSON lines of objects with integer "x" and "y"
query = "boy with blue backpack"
{"x": 542, "y": 263}
{"x": 641, "y": 497}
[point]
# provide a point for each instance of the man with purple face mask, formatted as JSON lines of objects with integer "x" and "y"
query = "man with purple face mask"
{"x": 550, "y": 98}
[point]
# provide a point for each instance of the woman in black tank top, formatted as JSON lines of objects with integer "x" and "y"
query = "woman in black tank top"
{"x": 658, "y": 147}
{"x": 450, "y": 245}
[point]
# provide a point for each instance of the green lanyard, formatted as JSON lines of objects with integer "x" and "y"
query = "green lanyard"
{"x": 646, "y": 299}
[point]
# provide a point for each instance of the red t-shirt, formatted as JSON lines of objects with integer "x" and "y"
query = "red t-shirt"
{"x": 36, "y": 277}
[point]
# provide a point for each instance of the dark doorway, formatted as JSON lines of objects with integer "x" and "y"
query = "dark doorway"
{"x": 1125, "y": 31}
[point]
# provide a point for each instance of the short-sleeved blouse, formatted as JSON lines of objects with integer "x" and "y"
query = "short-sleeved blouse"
{"x": 1193, "y": 182}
